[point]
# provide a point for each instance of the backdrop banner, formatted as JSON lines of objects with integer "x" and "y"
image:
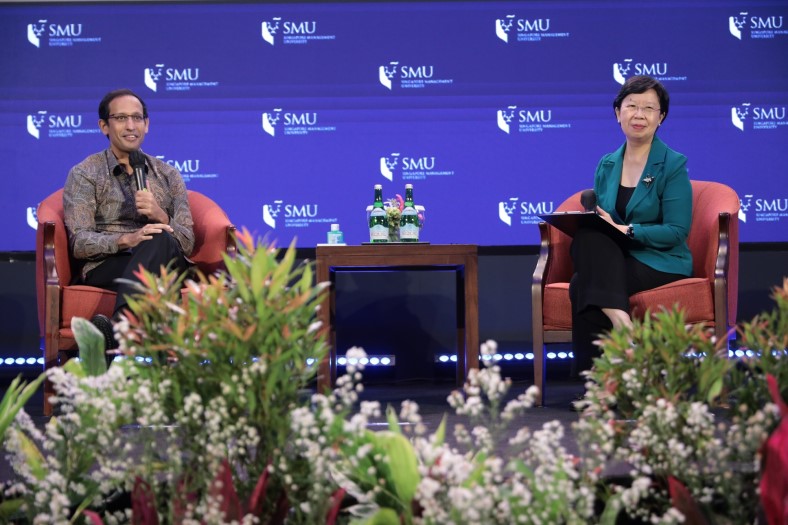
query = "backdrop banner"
{"x": 288, "y": 114}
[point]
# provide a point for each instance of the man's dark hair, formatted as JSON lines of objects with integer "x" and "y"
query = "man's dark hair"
{"x": 103, "y": 109}
{"x": 641, "y": 84}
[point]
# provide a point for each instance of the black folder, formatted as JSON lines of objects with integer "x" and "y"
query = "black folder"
{"x": 570, "y": 221}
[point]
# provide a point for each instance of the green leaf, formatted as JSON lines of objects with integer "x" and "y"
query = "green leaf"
{"x": 611, "y": 511}
{"x": 383, "y": 516}
{"x": 90, "y": 341}
{"x": 10, "y": 510}
{"x": 440, "y": 433}
{"x": 75, "y": 368}
{"x": 33, "y": 456}
{"x": 14, "y": 399}
{"x": 404, "y": 465}
{"x": 714, "y": 390}
{"x": 391, "y": 418}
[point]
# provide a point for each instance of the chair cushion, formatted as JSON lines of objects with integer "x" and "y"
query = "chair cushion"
{"x": 85, "y": 301}
{"x": 557, "y": 307}
{"x": 694, "y": 295}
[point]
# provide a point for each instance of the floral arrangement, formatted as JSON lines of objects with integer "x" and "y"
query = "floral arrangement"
{"x": 207, "y": 421}
{"x": 394, "y": 209}
{"x": 203, "y": 397}
{"x": 690, "y": 424}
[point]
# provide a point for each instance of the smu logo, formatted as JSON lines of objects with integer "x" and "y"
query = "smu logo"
{"x": 503, "y": 26}
{"x": 766, "y": 210}
{"x": 58, "y": 35}
{"x": 190, "y": 169}
{"x": 175, "y": 79}
{"x": 185, "y": 167}
{"x": 270, "y": 120}
{"x": 628, "y": 67}
{"x": 271, "y": 212}
{"x": 762, "y": 117}
{"x": 411, "y": 167}
{"x": 739, "y": 114}
{"x": 291, "y": 31}
{"x": 527, "y": 120}
{"x": 293, "y": 123}
{"x": 408, "y": 76}
{"x": 56, "y": 125}
{"x": 152, "y": 76}
{"x": 35, "y": 31}
{"x": 528, "y": 211}
{"x": 388, "y": 165}
{"x": 295, "y": 215}
{"x": 744, "y": 207}
{"x": 505, "y": 117}
{"x": 270, "y": 28}
{"x": 34, "y": 123}
{"x": 524, "y": 29}
{"x": 760, "y": 27}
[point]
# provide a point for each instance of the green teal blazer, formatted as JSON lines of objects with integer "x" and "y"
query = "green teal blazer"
{"x": 660, "y": 209}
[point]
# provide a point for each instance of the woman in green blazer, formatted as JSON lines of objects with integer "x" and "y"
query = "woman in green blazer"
{"x": 644, "y": 191}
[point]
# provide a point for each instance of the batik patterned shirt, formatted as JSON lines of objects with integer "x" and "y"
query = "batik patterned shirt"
{"x": 98, "y": 200}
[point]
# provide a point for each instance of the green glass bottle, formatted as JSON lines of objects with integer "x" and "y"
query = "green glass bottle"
{"x": 378, "y": 220}
{"x": 409, "y": 220}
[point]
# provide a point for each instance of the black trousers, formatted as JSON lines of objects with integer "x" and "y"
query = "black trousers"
{"x": 161, "y": 250}
{"x": 605, "y": 276}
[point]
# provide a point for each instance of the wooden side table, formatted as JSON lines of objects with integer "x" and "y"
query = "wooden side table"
{"x": 462, "y": 257}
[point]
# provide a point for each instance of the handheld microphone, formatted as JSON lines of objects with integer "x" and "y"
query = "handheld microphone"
{"x": 588, "y": 200}
{"x": 137, "y": 161}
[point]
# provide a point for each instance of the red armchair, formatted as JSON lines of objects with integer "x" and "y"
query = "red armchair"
{"x": 59, "y": 300}
{"x": 708, "y": 297}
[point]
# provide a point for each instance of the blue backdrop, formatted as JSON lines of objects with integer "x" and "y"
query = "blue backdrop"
{"x": 288, "y": 114}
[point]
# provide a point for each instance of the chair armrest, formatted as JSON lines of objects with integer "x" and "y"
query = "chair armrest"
{"x": 51, "y": 277}
{"x": 723, "y": 247}
{"x": 232, "y": 247}
{"x": 721, "y": 267}
{"x": 538, "y": 281}
{"x": 542, "y": 263}
{"x": 51, "y": 295}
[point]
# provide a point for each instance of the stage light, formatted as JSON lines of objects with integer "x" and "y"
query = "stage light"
{"x": 369, "y": 361}
{"x": 507, "y": 356}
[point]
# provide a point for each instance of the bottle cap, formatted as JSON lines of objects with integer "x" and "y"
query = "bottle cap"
{"x": 408, "y": 186}
{"x": 335, "y": 227}
{"x": 378, "y": 186}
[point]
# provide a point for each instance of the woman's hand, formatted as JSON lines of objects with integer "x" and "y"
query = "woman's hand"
{"x": 605, "y": 215}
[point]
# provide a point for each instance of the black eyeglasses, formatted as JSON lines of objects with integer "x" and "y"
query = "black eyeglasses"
{"x": 124, "y": 118}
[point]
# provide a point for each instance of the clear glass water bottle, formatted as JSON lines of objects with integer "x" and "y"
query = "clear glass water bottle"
{"x": 378, "y": 220}
{"x": 409, "y": 220}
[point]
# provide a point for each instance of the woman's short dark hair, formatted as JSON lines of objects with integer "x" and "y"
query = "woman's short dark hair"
{"x": 103, "y": 109}
{"x": 641, "y": 84}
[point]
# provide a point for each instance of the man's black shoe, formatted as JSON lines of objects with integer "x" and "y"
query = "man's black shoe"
{"x": 103, "y": 323}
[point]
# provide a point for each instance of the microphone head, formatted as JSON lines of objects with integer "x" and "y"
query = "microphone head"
{"x": 588, "y": 200}
{"x": 136, "y": 159}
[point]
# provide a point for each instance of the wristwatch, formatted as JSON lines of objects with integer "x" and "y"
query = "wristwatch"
{"x": 631, "y": 231}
